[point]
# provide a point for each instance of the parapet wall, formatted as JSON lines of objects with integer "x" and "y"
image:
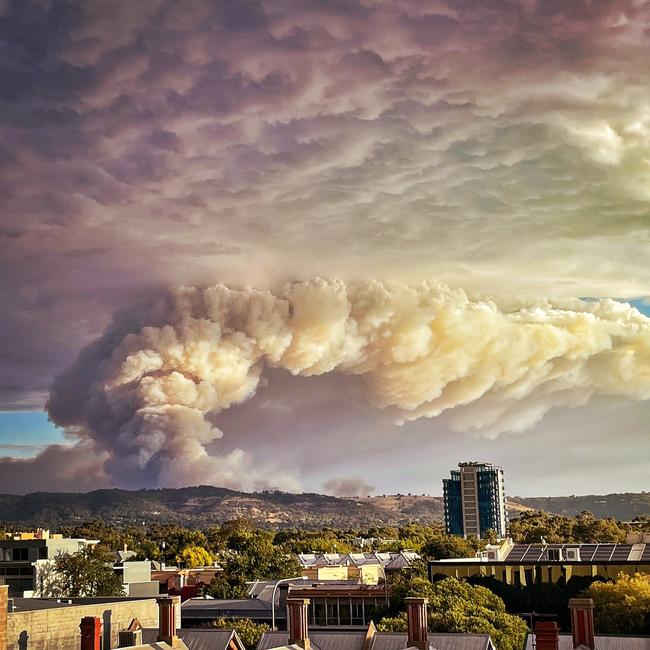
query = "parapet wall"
{"x": 58, "y": 628}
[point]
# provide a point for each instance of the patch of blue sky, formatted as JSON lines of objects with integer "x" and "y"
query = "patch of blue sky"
{"x": 24, "y": 433}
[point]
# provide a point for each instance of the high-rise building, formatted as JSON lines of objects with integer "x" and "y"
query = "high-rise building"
{"x": 475, "y": 500}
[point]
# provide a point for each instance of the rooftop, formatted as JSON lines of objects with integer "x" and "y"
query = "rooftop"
{"x": 559, "y": 554}
{"x": 335, "y": 640}
{"x": 387, "y": 560}
{"x": 199, "y": 638}
{"x": 602, "y": 642}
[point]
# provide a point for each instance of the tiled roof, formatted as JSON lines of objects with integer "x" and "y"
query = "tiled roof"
{"x": 602, "y": 642}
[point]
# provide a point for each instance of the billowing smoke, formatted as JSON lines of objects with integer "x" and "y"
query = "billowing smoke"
{"x": 351, "y": 486}
{"x": 145, "y": 392}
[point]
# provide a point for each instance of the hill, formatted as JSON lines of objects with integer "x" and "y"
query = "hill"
{"x": 623, "y": 507}
{"x": 205, "y": 505}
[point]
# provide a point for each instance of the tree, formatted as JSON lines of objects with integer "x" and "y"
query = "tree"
{"x": 459, "y": 607}
{"x": 253, "y": 556}
{"x": 393, "y": 623}
{"x": 249, "y": 631}
{"x": 86, "y": 573}
{"x": 623, "y": 606}
{"x": 443, "y": 547}
{"x": 193, "y": 556}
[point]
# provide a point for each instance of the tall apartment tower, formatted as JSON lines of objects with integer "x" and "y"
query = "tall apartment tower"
{"x": 475, "y": 500}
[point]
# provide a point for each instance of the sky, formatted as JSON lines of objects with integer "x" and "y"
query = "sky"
{"x": 499, "y": 152}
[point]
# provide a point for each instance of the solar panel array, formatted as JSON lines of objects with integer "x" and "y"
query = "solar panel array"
{"x": 596, "y": 553}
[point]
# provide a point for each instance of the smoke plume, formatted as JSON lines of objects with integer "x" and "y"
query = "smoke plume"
{"x": 145, "y": 392}
{"x": 351, "y": 486}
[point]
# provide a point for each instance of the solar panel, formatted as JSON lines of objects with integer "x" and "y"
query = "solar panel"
{"x": 518, "y": 551}
{"x": 533, "y": 554}
{"x": 603, "y": 552}
{"x": 587, "y": 551}
{"x": 621, "y": 552}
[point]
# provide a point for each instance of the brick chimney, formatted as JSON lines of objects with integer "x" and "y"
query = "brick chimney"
{"x": 416, "y": 612}
{"x": 297, "y": 622}
{"x": 91, "y": 633}
{"x": 547, "y": 635}
{"x": 4, "y": 606}
{"x": 167, "y": 620}
{"x": 582, "y": 622}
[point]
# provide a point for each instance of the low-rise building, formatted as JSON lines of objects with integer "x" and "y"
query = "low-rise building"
{"x": 526, "y": 564}
{"x": 136, "y": 578}
{"x": 51, "y": 624}
{"x": 333, "y": 603}
{"x": 366, "y": 568}
{"x": 186, "y": 583}
{"x": 102, "y": 624}
{"x": 26, "y": 560}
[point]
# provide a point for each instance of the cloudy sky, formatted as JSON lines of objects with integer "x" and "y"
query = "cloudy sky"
{"x": 501, "y": 148}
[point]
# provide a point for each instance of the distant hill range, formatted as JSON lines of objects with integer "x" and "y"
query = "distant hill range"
{"x": 207, "y": 505}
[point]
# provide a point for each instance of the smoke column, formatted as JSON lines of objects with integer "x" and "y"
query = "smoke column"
{"x": 140, "y": 394}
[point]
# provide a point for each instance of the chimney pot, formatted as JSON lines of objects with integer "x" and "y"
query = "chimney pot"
{"x": 416, "y": 609}
{"x": 547, "y": 635}
{"x": 297, "y": 622}
{"x": 91, "y": 632}
{"x": 582, "y": 622}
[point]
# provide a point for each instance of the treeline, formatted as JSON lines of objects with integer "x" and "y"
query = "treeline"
{"x": 533, "y": 527}
{"x": 174, "y": 543}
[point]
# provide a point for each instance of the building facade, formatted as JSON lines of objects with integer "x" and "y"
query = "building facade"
{"x": 26, "y": 561}
{"x": 530, "y": 564}
{"x": 475, "y": 500}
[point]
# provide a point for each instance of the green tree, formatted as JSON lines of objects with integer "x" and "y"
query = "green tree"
{"x": 249, "y": 631}
{"x": 193, "y": 556}
{"x": 442, "y": 547}
{"x": 393, "y": 623}
{"x": 623, "y": 606}
{"x": 459, "y": 607}
{"x": 85, "y": 574}
{"x": 252, "y": 556}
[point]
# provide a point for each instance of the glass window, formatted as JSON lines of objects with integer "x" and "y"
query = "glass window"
{"x": 370, "y": 607}
{"x": 345, "y": 612}
{"x": 19, "y": 554}
{"x": 319, "y": 611}
{"x": 332, "y": 611}
{"x": 357, "y": 612}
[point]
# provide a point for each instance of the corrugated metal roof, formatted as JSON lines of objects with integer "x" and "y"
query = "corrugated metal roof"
{"x": 222, "y": 605}
{"x": 197, "y": 638}
{"x": 355, "y": 559}
{"x": 602, "y": 642}
{"x": 381, "y": 641}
